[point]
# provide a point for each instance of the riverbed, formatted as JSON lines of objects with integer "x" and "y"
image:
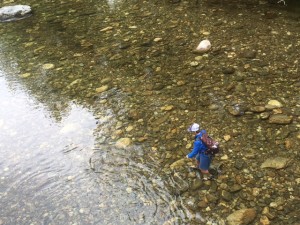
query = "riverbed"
{"x": 96, "y": 98}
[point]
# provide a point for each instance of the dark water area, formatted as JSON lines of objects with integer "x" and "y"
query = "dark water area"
{"x": 96, "y": 97}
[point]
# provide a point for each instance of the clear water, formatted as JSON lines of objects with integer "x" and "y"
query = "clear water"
{"x": 59, "y": 162}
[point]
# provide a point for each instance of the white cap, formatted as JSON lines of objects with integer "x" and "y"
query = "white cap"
{"x": 194, "y": 127}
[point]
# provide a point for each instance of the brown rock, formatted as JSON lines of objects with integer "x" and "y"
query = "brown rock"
{"x": 202, "y": 204}
{"x": 241, "y": 217}
{"x": 264, "y": 220}
{"x": 249, "y": 54}
{"x": 276, "y": 163}
{"x": 102, "y": 89}
{"x": 280, "y": 119}
{"x": 257, "y": 109}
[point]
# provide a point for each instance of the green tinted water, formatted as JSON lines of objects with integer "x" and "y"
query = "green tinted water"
{"x": 79, "y": 77}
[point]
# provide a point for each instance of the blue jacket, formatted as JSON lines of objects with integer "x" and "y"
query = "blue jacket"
{"x": 199, "y": 147}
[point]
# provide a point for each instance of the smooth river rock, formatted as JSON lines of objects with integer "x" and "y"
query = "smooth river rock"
{"x": 102, "y": 89}
{"x": 204, "y": 46}
{"x": 276, "y": 163}
{"x": 242, "y": 217}
{"x": 123, "y": 143}
{"x": 273, "y": 104}
{"x": 280, "y": 119}
{"x": 15, "y": 12}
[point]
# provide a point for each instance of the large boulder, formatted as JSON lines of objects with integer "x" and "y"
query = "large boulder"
{"x": 241, "y": 217}
{"x": 15, "y": 12}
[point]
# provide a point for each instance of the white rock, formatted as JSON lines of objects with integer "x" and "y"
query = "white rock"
{"x": 203, "y": 46}
{"x": 8, "y": 13}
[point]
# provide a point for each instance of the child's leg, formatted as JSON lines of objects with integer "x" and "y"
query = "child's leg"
{"x": 204, "y": 164}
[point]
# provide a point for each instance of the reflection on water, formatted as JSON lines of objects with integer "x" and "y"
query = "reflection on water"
{"x": 46, "y": 169}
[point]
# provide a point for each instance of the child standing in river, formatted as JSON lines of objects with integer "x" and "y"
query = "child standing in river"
{"x": 199, "y": 151}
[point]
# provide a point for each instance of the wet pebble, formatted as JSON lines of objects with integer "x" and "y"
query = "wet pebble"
{"x": 202, "y": 204}
{"x": 242, "y": 217}
{"x": 213, "y": 107}
{"x": 167, "y": 108}
{"x": 48, "y": 66}
{"x": 273, "y": 104}
{"x": 264, "y": 220}
{"x": 106, "y": 80}
{"x": 102, "y": 89}
{"x": 204, "y": 46}
{"x": 280, "y": 119}
{"x": 235, "y": 110}
{"x": 257, "y": 109}
{"x": 25, "y": 75}
{"x": 249, "y": 54}
{"x": 264, "y": 115}
{"x": 235, "y": 188}
{"x": 227, "y": 137}
{"x": 226, "y": 195}
{"x": 123, "y": 143}
{"x": 194, "y": 63}
{"x": 228, "y": 70}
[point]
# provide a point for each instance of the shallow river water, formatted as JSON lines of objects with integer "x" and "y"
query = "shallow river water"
{"x": 96, "y": 97}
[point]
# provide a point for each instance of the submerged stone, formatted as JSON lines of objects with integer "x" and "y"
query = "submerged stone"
{"x": 123, "y": 143}
{"x": 25, "y": 75}
{"x": 48, "y": 66}
{"x": 257, "y": 108}
{"x": 249, "y": 54}
{"x": 228, "y": 70}
{"x": 280, "y": 119}
{"x": 204, "y": 46}
{"x": 264, "y": 115}
{"x": 102, "y": 89}
{"x": 241, "y": 217}
{"x": 273, "y": 104}
{"x": 235, "y": 110}
{"x": 276, "y": 163}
